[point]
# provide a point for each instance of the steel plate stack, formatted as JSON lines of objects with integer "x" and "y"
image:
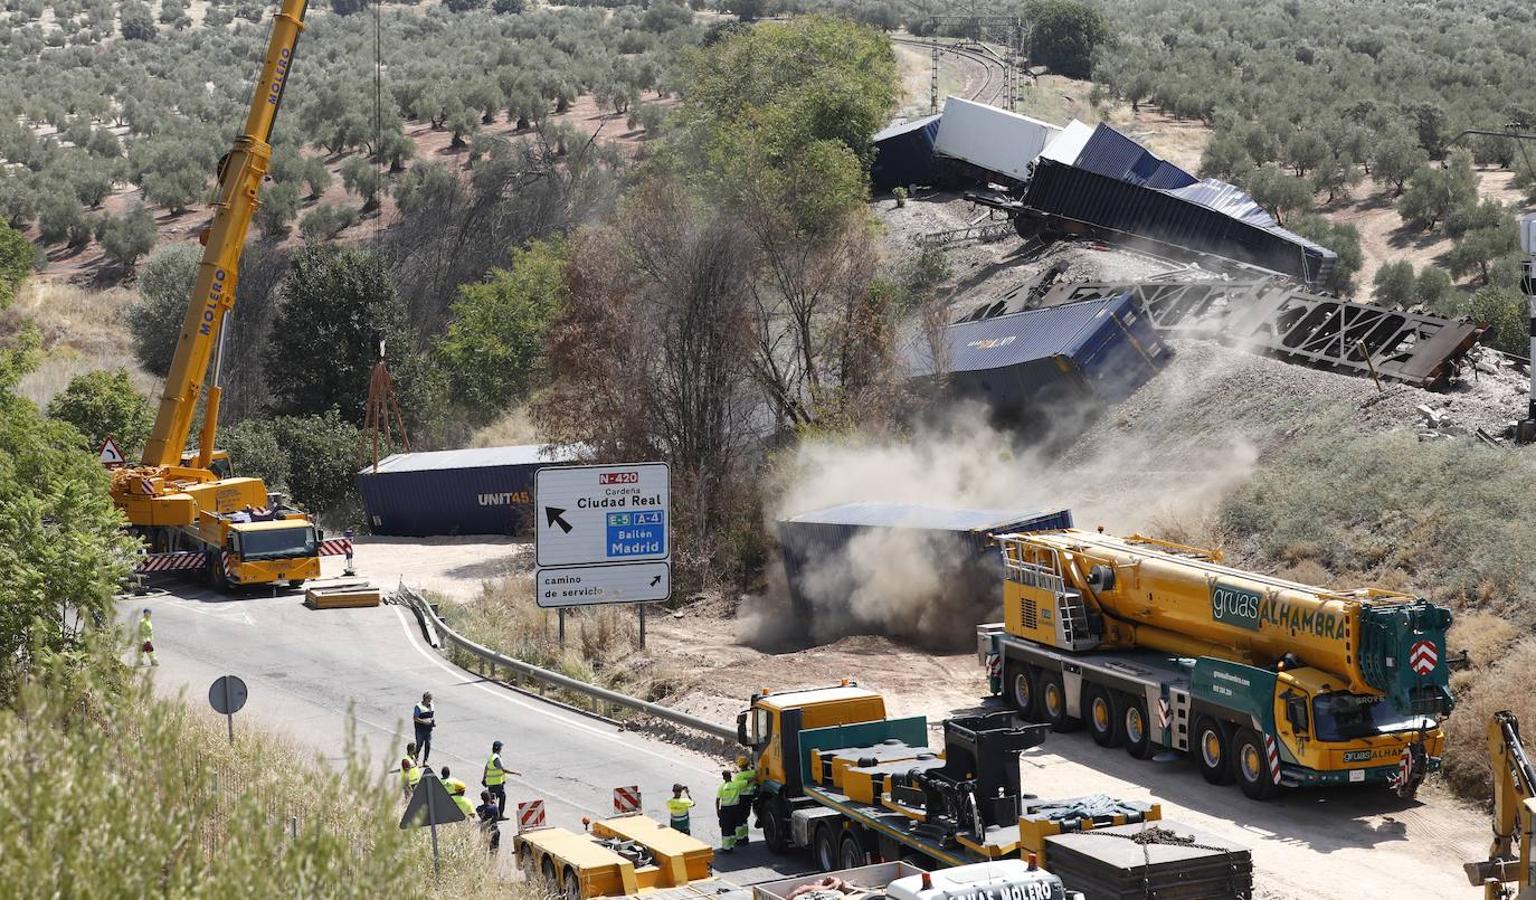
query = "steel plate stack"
{"x": 1168, "y": 861}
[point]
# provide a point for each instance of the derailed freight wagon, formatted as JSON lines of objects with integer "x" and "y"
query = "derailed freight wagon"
{"x": 1065, "y": 199}
{"x": 483, "y": 490}
{"x": 1043, "y": 367}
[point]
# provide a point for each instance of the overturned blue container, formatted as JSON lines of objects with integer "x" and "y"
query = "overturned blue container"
{"x": 904, "y": 155}
{"x": 485, "y": 490}
{"x": 1045, "y": 363}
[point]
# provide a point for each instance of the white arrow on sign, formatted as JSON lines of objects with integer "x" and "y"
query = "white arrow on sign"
{"x": 647, "y": 582}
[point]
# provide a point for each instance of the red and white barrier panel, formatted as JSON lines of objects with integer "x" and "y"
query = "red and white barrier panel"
{"x": 626, "y": 800}
{"x": 336, "y": 547}
{"x": 530, "y": 815}
{"x": 172, "y": 562}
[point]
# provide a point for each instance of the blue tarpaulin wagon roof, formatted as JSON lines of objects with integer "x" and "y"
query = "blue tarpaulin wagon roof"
{"x": 483, "y": 490}
{"x": 1034, "y": 364}
{"x": 904, "y": 154}
{"x": 824, "y": 566}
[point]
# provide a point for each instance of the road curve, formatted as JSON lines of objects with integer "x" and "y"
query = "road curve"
{"x": 308, "y": 669}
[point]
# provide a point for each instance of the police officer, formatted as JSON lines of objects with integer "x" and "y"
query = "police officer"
{"x": 495, "y": 780}
{"x": 726, "y": 797}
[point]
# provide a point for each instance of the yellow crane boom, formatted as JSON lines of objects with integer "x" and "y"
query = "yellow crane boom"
{"x": 213, "y": 294}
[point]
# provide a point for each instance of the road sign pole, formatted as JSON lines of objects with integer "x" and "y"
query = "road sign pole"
{"x": 437, "y": 866}
{"x": 641, "y": 608}
{"x": 562, "y": 628}
{"x": 230, "y": 720}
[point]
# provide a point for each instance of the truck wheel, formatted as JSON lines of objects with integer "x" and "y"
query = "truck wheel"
{"x": 572, "y": 885}
{"x": 851, "y": 854}
{"x": 1053, "y": 701}
{"x": 775, "y": 825}
{"x": 826, "y": 848}
{"x": 1019, "y": 688}
{"x": 551, "y": 880}
{"x": 1103, "y": 719}
{"x": 1211, "y": 751}
{"x": 1134, "y": 724}
{"x": 1252, "y": 763}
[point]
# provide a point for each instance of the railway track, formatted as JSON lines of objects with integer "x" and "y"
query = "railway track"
{"x": 988, "y": 85}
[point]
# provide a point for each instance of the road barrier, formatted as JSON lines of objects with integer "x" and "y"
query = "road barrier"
{"x": 530, "y": 815}
{"x": 626, "y": 800}
{"x": 435, "y": 627}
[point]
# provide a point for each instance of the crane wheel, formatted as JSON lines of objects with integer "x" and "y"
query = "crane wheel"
{"x": 1019, "y": 680}
{"x": 776, "y": 824}
{"x": 1252, "y": 765}
{"x": 825, "y": 845}
{"x": 1212, "y": 750}
{"x": 851, "y": 854}
{"x": 1102, "y": 717}
{"x": 1134, "y": 725}
{"x": 1053, "y": 701}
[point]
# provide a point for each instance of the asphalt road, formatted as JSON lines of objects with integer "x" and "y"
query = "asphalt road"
{"x": 310, "y": 671}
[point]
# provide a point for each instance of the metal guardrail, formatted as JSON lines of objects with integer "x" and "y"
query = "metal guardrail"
{"x": 447, "y": 635}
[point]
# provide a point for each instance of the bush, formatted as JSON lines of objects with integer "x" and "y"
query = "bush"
{"x": 279, "y": 204}
{"x": 156, "y": 317}
{"x": 313, "y": 459}
{"x": 136, "y": 22}
{"x": 127, "y": 237}
{"x": 1507, "y": 315}
{"x": 326, "y": 221}
{"x": 1394, "y": 284}
{"x": 1505, "y": 684}
{"x": 1434, "y": 290}
{"x": 104, "y": 404}
{"x": 59, "y": 220}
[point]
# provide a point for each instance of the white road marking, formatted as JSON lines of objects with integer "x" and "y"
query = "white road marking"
{"x": 238, "y": 616}
{"x": 531, "y": 707}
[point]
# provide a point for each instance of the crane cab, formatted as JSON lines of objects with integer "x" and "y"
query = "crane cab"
{"x": 771, "y": 727}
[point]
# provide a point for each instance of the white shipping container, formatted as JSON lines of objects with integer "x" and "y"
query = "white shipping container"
{"x": 990, "y": 138}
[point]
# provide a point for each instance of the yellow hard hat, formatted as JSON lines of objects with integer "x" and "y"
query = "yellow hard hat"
{"x": 742, "y": 761}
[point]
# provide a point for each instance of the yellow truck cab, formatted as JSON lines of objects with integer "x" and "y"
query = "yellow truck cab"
{"x": 772, "y": 717}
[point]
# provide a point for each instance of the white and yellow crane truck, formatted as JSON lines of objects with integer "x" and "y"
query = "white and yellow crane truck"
{"x": 186, "y": 504}
{"x": 633, "y": 856}
{"x": 837, "y": 777}
{"x": 1157, "y": 647}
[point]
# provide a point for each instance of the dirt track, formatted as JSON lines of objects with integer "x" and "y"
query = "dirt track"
{"x": 1314, "y": 845}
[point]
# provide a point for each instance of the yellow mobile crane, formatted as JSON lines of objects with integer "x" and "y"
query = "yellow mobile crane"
{"x": 189, "y": 500}
{"x": 1514, "y": 816}
{"x": 1157, "y": 647}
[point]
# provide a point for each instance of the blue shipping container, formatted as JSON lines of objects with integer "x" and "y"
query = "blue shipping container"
{"x": 813, "y": 547}
{"x": 904, "y": 154}
{"x": 1024, "y": 363}
{"x": 487, "y": 490}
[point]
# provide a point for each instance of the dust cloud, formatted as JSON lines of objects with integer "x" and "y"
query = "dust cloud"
{"x": 920, "y": 588}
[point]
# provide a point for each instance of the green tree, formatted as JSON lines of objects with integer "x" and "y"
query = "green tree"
{"x": 136, "y": 22}
{"x": 745, "y": 10}
{"x": 127, "y": 237}
{"x": 311, "y": 458}
{"x": 1395, "y": 158}
{"x": 279, "y": 204}
{"x": 104, "y": 404}
{"x": 1508, "y": 318}
{"x": 1437, "y": 192}
{"x": 348, "y": 7}
{"x": 1343, "y": 239}
{"x": 1477, "y": 249}
{"x": 360, "y": 177}
{"x": 460, "y": 6}
{"x": 1063, "y": 35}
{"x": 156, "y": 317}
{"x": 1434, "y": 290}
{"x": 176, "y": 186}
{"x": 311, "y": 171}
{"x": 1277, "y": 191}
{"x": 326, "y": 221}
{"x": 59, "y": 220}
{"x": 17, "y": 260}
{"x": 64, "y": 556}
{"x": 1394, "y": 284}
{"x": 496, "y": 336}
{"x": 507, "y": 7}
{"x": 335, "y": 307}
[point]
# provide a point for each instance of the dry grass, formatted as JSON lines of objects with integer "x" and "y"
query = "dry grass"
{"x": 513, "y": 427}
{"x": 1504, "y": 684}
{"x": 600, "y": 646}
{"x": 82, "y": 331}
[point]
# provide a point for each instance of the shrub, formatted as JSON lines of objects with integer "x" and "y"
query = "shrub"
{"x": 311, "y": 458}
{"x": 136, "y": 22}
{"x": 326, "y": 221}
{"x": 1394, "y": 284}
{"x": 17, "y": 259}
{"x": 1434, "y": 290}
{"x": 127, "y": 237}
{"x": 104, "y": 404}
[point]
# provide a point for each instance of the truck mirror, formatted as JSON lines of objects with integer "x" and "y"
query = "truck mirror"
{"x": 1296, "y": 713}
{"x": 741, "y": 729}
